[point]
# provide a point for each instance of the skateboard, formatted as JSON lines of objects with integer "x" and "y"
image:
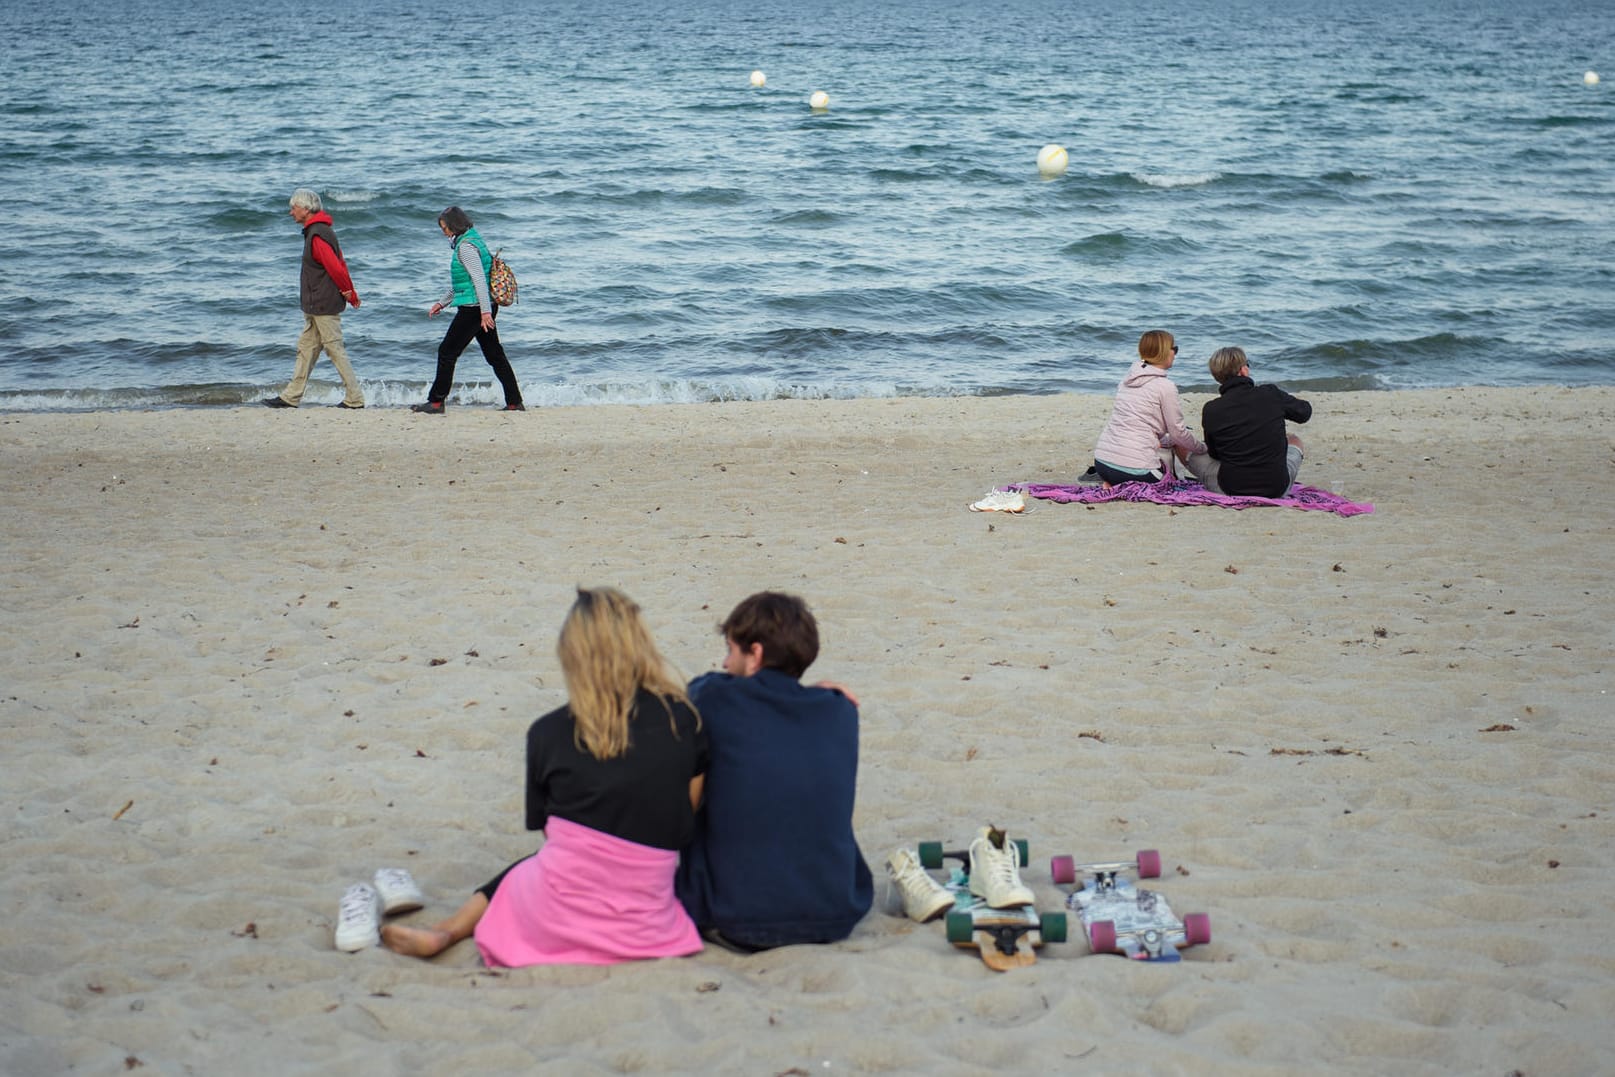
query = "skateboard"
{"x": 1125, "y": 919}
{"x": 996, "y": 934}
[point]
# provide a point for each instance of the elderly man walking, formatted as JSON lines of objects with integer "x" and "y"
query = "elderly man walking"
{"x": 325, "y": 290}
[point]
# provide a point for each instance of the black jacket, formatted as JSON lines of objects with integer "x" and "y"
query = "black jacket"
{"x": 1244, "y": 430}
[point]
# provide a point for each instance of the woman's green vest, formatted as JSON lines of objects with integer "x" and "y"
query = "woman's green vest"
{"x": 465, "y": 292}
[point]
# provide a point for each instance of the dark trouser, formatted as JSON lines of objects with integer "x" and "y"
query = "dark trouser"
{"x": 1116, "y": 478}
{"x": 467, "y": 325}
{"x": 487, "y": 888}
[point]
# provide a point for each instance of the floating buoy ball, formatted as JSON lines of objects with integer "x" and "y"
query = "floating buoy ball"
{"x": 819, "y": 101}
{"x": 1051, "y": 160}
{"x": 759, "y": 79}
{"x": 1590, "y": 78}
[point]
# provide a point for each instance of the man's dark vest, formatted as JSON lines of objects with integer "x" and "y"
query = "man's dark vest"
{"x": 319, "y": 293}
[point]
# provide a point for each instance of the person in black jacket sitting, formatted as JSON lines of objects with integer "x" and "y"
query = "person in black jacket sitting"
{"x": 1248, "y": 451}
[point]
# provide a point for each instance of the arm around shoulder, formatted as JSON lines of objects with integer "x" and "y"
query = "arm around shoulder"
{"x": 836, "y": 686}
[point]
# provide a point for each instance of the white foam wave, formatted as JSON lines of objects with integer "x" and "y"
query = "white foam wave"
{"x": 692, "y": 391}
{"x": 385, "y": 393}
{"x": 1192, "y": 179}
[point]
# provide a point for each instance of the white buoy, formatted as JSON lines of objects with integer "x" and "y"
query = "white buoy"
{"x": 759, "y": 79}
{"x": 1590, "y": 78}
{"x": 1051, "y": 160}
{"x": 819, "y": 101}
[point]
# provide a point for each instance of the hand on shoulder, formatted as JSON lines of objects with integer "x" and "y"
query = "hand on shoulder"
{"x": 836, "y": 686}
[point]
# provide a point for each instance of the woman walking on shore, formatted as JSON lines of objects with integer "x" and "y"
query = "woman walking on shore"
{"x": 474, "y": 314}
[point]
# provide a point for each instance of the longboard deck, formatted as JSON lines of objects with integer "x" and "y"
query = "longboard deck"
{"x": 999, "y": 934}
{"x": 1005, "y": 938}
{"x": 1144, "y": 924}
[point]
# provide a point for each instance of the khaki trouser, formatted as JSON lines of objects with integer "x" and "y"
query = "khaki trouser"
{"x": 322, "y": 331}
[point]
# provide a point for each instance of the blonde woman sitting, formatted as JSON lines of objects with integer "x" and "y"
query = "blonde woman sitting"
{"x": 613, "y": 778}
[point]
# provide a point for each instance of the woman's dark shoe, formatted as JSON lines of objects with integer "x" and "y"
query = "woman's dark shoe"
{"x": 431, "y": 407}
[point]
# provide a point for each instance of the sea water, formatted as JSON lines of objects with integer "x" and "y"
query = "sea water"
{"x": 1361, "y": 193}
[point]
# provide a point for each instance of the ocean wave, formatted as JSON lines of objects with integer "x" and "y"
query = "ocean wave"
{"x": 1100, "y": 245}
{"x": 1552, "y": 122}
{"x": 808, "y": 218}
{"x": 472, "y": 394}
{"x": 1168, "y": 182}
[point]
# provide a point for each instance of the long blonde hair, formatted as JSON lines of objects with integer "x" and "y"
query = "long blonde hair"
{"x": 607, "y": 656}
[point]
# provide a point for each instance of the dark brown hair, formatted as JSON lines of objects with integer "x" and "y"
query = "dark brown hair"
{"x": 455, "y": 220}
{"x": 782, "y": 624}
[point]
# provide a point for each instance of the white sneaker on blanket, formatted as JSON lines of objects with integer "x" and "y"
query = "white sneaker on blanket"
{"x": 358, "y": 921}
{"x": 1001, "y": 501}
{"x": 398, "y": 891}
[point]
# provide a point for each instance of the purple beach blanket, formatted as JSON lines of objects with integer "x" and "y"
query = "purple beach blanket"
{"x": 1192, "y": 493}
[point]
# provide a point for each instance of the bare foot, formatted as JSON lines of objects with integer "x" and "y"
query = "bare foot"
{"x": 415, "y": 941}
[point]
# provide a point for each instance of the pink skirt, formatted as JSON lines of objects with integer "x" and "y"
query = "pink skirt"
{"x": 586, "y": 898}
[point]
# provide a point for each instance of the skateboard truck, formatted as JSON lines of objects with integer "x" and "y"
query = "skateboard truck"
{"x": 933, "y": 853}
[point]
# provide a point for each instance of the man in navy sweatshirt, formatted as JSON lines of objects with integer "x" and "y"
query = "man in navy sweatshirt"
{"x": 774, "y": 861}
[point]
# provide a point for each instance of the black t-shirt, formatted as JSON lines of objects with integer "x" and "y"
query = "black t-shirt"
{"x": 642, "y": 796}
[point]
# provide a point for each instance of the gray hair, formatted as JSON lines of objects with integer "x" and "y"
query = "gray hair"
{"x": 303, "y": 198}
{"x": 1225, "y": 363}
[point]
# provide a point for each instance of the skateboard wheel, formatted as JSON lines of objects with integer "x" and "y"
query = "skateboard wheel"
{"x": 1025, "y": 853}
{"x": 1052, "y": 925}
{"x": 1102, "y": 936}
{"x": 1149, "y": 864}
{"x": 1197, "y": 926}
{"x": 1064, "y": 869}
{"x": 961, "y": 926}
{"x": 930, "y": 855}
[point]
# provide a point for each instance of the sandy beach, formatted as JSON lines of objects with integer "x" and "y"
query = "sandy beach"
{"x": 251, "y": 656}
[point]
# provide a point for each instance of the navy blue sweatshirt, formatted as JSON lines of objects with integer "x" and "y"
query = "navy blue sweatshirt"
{"x": 774, "y": 861}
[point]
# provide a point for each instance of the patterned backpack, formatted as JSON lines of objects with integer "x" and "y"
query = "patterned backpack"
{"x": 502, "y": 281}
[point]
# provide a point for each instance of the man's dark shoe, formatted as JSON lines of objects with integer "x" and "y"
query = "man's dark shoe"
{"x": 431, "y": 407}
{"x": 345, "y": 406}
{"x": 276, "y": 402}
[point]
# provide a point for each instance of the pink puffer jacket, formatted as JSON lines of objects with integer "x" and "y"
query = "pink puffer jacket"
{"x": 1146, "y": 417}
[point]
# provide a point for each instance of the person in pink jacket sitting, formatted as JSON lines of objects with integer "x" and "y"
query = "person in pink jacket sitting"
{"x": 1146, "y": 427}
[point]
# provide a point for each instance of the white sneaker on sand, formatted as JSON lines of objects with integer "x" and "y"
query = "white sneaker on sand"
{"x": 1001, "y": 501}
{"x": 923, "y": 897}
{"x": 995, "y": 871}
{"x": 358, "y": 922}
{"x": 398, "y": 891}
